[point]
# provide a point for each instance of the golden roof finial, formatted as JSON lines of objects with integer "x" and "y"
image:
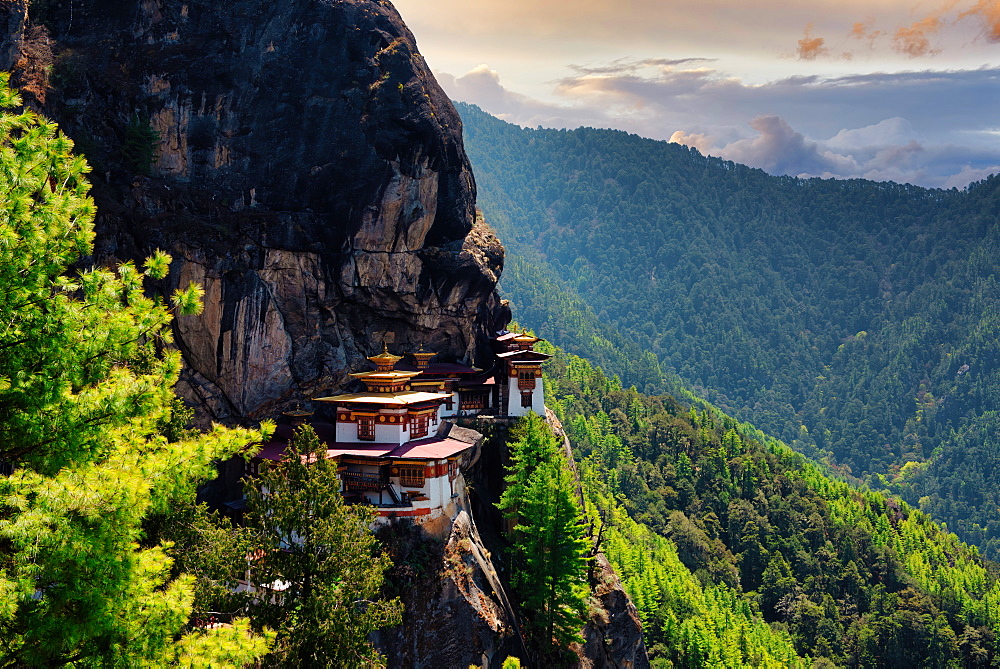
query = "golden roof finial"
{"x": 422, "y": 357}
{"x": 385, "y": 361}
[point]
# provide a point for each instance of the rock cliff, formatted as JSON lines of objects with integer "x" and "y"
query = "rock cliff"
{"x": 456, "y": 609}
{"x": 296, "y": 158}
{"x": 299, "y": 161}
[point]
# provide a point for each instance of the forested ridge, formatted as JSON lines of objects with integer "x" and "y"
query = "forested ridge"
{"x": 855, "y": 320}
{"x": 740, "y": 552}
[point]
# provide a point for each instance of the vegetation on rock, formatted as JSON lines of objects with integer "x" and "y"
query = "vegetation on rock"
{"x": 549, "y": 545}
{"x": 86, "y": 381}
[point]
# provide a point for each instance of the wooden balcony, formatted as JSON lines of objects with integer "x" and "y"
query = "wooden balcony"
{"x": 373, "y": 481}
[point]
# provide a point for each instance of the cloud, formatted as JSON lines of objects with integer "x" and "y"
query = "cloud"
{"x": 845, "y": 127}
{"x": 810, "y": 48}
{"x": 481, "y": 86}
{"x": 779, "y": 149}
{"x": 968, "y": 174}
{"x": 622, "y": 66}
{"x": 700, "y": 141}
{"x": 862, "y": 30}
{"x": 913, "y": 40}
{"x": 895, "y": 130}
{"x": 988, "y": 12}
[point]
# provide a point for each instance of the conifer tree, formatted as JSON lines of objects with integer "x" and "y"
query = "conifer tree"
{"x": 320, "y": 557}
{"x": 549, "y": 543}
{"x": 85, "y": 381}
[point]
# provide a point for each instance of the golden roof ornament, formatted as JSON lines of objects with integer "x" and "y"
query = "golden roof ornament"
{"x": 422, "y": 357}
{"x": 385, "y": 361}
{"x": 525, "y": 340}
{"x": 298, "y": 415}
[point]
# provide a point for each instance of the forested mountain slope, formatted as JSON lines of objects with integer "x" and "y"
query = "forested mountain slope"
{"x": 856, "y": 320}
{"x": 716, "y": 528}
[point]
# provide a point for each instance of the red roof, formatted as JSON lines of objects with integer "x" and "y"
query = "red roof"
{"x": 524, "y": 356}
{"x": 431, "y": 448}
{"x": 434, "y": 448}
{"x": 442, "y": 368}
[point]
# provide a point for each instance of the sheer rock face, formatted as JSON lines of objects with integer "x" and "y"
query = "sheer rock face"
{"x": 459, "y": 616}
{"x": 614, "y": 641}
{"x": 305, "y": 168}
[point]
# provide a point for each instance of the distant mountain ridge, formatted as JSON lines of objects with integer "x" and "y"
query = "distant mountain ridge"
{"x": 856, "y": 320}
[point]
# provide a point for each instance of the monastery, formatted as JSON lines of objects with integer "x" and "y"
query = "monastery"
{"x": 396, "y": 443}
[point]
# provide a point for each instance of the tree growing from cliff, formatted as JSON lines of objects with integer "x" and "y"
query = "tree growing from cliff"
{"x": 549, "y": 543}
{"x": 320, "y": 558}
{"x": 85, "y": 380}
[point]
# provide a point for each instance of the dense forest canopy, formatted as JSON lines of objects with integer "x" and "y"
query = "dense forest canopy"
{"x": 855, "y": 320}
{"x": 739, "y": 552}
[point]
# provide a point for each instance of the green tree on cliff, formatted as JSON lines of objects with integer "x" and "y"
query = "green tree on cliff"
{"x": 321, "y": 557}
{"x": 549, "y": 543}
{"x": 85, "y": 381}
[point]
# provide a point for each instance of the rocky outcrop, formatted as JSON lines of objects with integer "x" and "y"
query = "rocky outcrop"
{"x": 458, "y": 616}
{"x": 297, "y": 159}
{"x": 613, "y": 636}
{"x": 613, "y": 639}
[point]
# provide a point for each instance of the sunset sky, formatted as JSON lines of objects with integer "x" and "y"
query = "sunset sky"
{"x": 881, "y": 89}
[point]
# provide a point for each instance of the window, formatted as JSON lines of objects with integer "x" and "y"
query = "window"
{"x": 452, "y": 469}
{"x": 253, "y": 467}
{"x": 411, "y": 477}
{"x": 472, "y": 401}
{"x": 526, "y": 380}
{"x": 526, "y": 400}
{"x": 366, "y": 428}
{"x": 418, "y": 426}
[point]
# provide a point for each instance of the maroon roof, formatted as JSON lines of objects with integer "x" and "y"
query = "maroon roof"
{"x": 429, "y": 448}
{"x": 434, "y": 448}
{"x": 524, "y": 356}
{"x": 439, "y": 368}
{"x": 472, "y": 383}
{"x": 325, "y": 431}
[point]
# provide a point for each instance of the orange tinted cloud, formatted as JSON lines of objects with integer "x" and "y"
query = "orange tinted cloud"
{"x": 914, "y": 40}
{"x": 810, "y": 47}
{"x": 863, "y": 31}
{"x": 988, "y": 11}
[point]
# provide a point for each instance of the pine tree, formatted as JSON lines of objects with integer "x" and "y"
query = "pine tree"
{"x": 85, "y": 381}
{"x": 320, "y": 557}
{"x": 549, "y": 543}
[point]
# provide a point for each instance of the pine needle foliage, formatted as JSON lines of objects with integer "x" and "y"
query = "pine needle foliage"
{"x": 320, "y": 559}
{"x": 550, "y": 546}
{"x": 85, "y": 382}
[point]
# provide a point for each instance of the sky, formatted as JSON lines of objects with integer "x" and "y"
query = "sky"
{"x": 880, "y": 89}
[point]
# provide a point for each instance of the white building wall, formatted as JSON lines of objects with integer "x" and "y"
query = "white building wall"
{"x": 514, "y": 407}
{"x": 449, "y": 413}
{"x": 384, "y": 433}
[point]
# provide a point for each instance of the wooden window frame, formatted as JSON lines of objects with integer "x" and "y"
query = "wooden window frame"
{"x": 526, "y": 398}
{"x": 411, "y": 476}
{"x": 419, "y": 425}
{"x": 366, "y": 428}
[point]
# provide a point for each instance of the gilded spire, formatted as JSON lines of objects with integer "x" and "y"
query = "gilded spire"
{"x": 385, "y": 361}
{"x": 422, "y": 357}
